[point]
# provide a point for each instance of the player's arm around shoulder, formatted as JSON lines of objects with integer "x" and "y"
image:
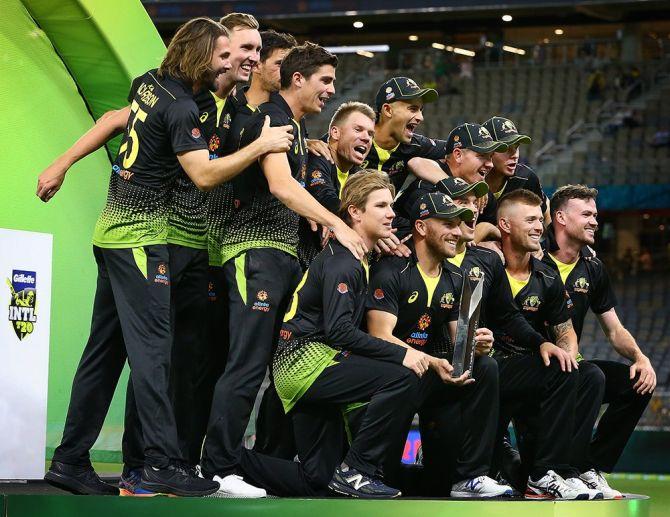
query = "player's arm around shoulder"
{"x": 207, "y": 174}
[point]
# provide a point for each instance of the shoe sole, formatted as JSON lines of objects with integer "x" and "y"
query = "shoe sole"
{"x": 71, "y": 485}
{"x": 336, "y": 487}
{"x": 472, "y": 495}
{"x": 161, "y": 489}
{"x": 129, "y": 493}
{"x": 227, "y": 495}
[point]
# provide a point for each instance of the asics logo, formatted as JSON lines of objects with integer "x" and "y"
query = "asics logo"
{"x": 357, "y": 481}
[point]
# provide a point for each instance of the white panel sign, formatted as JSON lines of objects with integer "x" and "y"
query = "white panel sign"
{"x": 25, "y": 310}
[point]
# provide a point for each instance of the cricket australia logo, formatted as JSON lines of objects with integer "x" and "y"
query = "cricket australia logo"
{"x": 581, "y": 285}
{"x": 475, "y": 273}
{"x": 532, "y": 304}
{"x": 447, "y": 301}
{"x": 23, "y": 303}
{"x": 508, "y": 127}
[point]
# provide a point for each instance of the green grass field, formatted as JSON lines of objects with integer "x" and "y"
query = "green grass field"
{"x": 656, "y": 487}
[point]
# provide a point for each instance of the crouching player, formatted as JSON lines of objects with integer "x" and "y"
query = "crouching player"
{"x": 414, "y": 301}
{"x": 324, "y": 362}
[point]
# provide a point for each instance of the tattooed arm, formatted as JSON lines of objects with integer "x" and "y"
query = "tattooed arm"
{"x": 566, "y": 337}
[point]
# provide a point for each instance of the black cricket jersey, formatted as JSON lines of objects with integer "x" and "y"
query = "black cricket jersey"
{"x": 163, "y": 121}
{"x": 543, "y": 302}
{"x": 323, "y": 318}
{"x": 325, "y": 181}
{"x": 587, "y": 284}
{"x": 423, "y": 307}
{"x": 394, "y": 161}
{"x": 498, "y": 309}
{"x": 220, "y": 202}
{"x": 260, "y": 220}
{"x": 524, "y": 178}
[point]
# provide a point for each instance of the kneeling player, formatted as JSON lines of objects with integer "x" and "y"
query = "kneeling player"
{"x": 627, "y": 388}
{"x": 529, "y": 380}
{"x": 324, "y": 362}
{"x": 413, "y": 302}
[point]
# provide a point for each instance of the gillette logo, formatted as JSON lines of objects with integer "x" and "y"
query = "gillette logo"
{"x": 24, "y": 279}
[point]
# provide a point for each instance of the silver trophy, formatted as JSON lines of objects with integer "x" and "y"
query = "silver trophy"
{"x": 468, "y": 321}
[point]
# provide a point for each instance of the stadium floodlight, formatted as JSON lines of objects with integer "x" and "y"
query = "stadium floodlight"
{"x": 463, "y": 52}
{"x": 365, "y": 53}
{"x": 438, "y": 46}
{"x": 413, "y": 37}
{"x": 489, "y": 44}
{"x": 354, "y": 50}
{"x": 507, "y": 17}
{"x": 358, "y": 24}
{"x": 514, "y": 50}
{"x": 558, "y": 32}
{"x": 350, "y": 13}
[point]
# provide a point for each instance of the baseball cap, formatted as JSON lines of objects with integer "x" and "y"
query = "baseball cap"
{"x": 504, "y": 130}
{"x": 475, "y": 137}
{"x": 436, "y": 204}
{"x": 457, "y": 187}
{"x": 400, "y": 89}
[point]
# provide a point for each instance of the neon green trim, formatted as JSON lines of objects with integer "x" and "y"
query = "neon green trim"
{"x": 342, "y": 177}
{"x": 431, "y": 284}
{"x": 140, "y": 257}
{"x": 516, "y": 285}
{"x": 240, "y": 278}
{"x": 187, "y": 243}
{"x": 230, "y": 251}
{"x": 564, "y": 269}
{"x": 383, "y": 154}
{"x": 220, "y": 104}
{"x": 458, "y": 259}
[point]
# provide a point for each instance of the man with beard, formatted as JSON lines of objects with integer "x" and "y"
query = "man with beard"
{"x": 528, "y": 379}
{"x": 259, "y": 257}
{"x": 628, "y": 389}
{"x": 414, "y": 302}
{"x": 507, "y": 174}
{"x": 185, "y": 244}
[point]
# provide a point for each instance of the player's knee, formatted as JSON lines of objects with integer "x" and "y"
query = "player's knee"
{"x": 485, "y": 368}
{"x": 592, "y": 377}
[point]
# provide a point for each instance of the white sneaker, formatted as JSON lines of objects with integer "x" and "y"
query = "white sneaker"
{"x": 482, "y": 486}
{"x": 595, "y": 480}
{"x": 553, "y": 486}
{"x": 578, "y": 484}
{"x": 234, "y": 487}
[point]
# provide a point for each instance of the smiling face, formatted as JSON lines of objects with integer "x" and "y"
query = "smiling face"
{"x": 377, "y": 216}
{"x": 404, "y": 117}
{"x": 316, "y": 89}
{"x": 267, "y": 72}
{"x": 505, "y": 163}
{"x": 245, "y": 48}
{"x": 470, "y": 165}
{"x": 579, "y": 217}
{"x": 441, "y": 235}
{"x": 353, "y": 137}
{"x": 524, "y": 226}
{"x": 468, "y": 228}
{"x": 220, "y": 64}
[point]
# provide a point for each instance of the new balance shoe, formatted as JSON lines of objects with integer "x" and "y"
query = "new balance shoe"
{"x": 234, "y": 487}
{"x": 481, "y": 486}
{"x": 578, "y": 484}
{"x": 553, "y": 486}
{"x": 129, "y": 484}
{"x": 175, "y": 480}
{"x": 595, "y": 480}
{"x": 78, "y": 480}
{"x": 353, "y": 483}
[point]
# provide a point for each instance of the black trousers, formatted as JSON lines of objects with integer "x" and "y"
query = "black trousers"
{"x": 188, "y": 306}
{"x": 319, "y": 432}
{"x": 131, "y": 318}
{"x": 475, "y": 413}
{"x": 260, "y": 285}
{"x": 528, "y": 387}
{"x": 625, "y": 407}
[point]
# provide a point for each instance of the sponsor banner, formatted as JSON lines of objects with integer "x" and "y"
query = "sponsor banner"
{"x": 25, "y": 297}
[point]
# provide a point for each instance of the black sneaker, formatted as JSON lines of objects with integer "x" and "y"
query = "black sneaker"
{"x": 353, "y": 483}
{"x": 78, "y": 480}
{"x": 175, "y": 480}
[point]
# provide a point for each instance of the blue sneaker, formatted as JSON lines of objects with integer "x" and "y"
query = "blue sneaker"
{"x": 353, "y": 483}
{"x": 129, "y": 485}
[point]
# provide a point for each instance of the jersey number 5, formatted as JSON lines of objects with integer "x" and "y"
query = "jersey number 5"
{"x": 130, "y": 155}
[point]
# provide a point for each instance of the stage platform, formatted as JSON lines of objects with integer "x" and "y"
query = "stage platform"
{"x": 39, "y": 499}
